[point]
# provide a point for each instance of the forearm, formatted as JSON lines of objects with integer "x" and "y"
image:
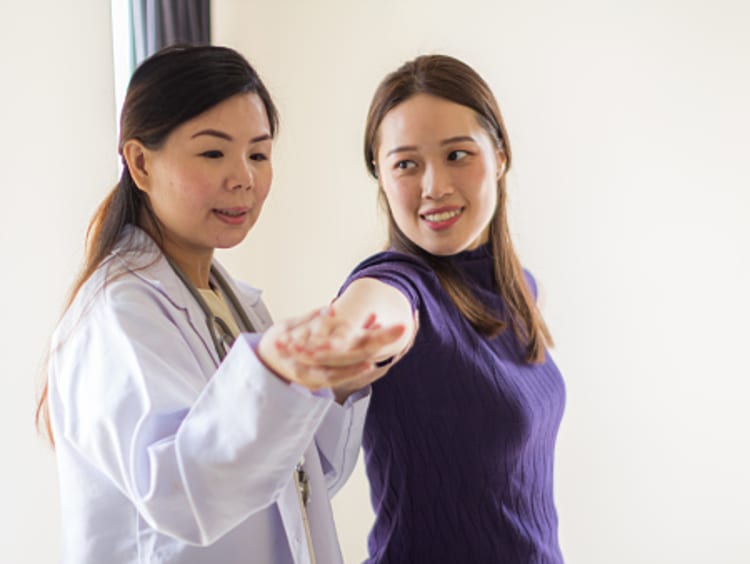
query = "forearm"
{"x": 197, "y": 462}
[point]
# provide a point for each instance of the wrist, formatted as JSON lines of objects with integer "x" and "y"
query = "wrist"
{"x": 264, "y": 351}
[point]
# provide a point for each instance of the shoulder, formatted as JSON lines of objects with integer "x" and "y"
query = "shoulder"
{"x": 392, "y": 265}
{"x": 405, "y": 272}
{"x": 531, "y": 283}
{"x": 134, "y": 280}
{"x": 111, "y": 293}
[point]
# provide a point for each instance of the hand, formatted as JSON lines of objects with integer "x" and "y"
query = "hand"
{"x": 323, "y": 351}
{"x": 330, "y": 340}
{"x": 378, "y": 370}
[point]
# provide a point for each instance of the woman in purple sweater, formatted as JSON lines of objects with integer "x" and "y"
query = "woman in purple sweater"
{"x": 460, "y": 435}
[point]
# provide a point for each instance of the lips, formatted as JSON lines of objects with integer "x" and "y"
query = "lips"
{"x": 436, "y": 216}
{"x": 234, "y": 216}
{"x": 442, "y": 218}
{"x": 232, "y": 212}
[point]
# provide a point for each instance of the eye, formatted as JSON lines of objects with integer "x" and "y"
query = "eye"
{"x": 212, "y": 154}
{"x": 405, "y": 164}
{"x": 258, "y": 157}
{"x": 457, "y": 155}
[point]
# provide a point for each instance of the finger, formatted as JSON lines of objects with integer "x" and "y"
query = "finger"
{"x": 327, "y": 376}
{"x": 370, "y": 321}
{"x": 313, "y": 359}
{"x": 307, "y": 332}
{"x": 368, "y": 341}
{"x": 294, "y": 322}
{"x": 325, "y": 330}
{"x": 376, "y": 339}
{"x": 335, "y": 343}
{"x": 293, "y": 341}
{"x": 366, "y": 348}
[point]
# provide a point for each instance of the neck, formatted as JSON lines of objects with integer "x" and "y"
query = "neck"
{"x": 194, "y": 263}
{"x": 197, "y": 269}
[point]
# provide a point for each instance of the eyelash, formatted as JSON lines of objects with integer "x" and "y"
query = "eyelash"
{"x": 452, "y": 156}
{"x": 218, "y": 154}
{"x": 399, "y": 163}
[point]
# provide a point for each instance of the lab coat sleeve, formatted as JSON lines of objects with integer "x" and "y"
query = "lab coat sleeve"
{"x": 339, "y": 438}
{"x": 195, "y": 456}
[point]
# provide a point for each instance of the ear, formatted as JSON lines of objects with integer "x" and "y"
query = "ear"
{"x": 137, "y": 160}
{"x": 502, "y": 161}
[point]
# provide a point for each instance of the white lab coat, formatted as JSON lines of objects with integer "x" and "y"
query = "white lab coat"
{"x": 163, "y": 457}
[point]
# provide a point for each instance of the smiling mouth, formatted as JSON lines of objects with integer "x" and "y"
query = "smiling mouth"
{"x": 231, "y": 213}
{"x": 442, "y": 216}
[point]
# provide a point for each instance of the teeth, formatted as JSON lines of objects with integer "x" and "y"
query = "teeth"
{"x": 230, "y": 213}
{"x": 443, "y": 216}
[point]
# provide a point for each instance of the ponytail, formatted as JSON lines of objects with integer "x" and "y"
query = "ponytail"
{"x": 124, "y": 205}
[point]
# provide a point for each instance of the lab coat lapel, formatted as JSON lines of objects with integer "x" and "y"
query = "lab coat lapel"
{"x": 174, "y": 290}
{"x": 147, "y": 262}
{"x": 249, "y": 299}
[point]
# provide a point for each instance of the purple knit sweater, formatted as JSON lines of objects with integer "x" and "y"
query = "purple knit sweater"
{"x": 460, "y": 435}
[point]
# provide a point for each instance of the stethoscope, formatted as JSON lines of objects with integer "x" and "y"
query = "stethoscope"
{"x": 222, "y": 342}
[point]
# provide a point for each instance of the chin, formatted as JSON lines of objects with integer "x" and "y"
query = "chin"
{"x": 441, "y": 250}
{"x": 227, "y": 242}
{"x": 446, "y": 249}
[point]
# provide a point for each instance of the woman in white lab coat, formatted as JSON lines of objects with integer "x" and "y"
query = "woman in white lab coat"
{"x": 184, "y": 432}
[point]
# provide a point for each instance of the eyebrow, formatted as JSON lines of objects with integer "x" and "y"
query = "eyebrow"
{"x": 457, "y": 139}
{"x": 405, "y": 148}
{"x": 227, "y": 137}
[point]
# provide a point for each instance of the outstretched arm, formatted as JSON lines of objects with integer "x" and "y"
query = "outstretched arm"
{"x": 370, "y": 323}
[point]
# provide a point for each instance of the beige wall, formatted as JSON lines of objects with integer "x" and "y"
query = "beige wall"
{"x": 57, "y": 139}
{"x": 629, "y": 199}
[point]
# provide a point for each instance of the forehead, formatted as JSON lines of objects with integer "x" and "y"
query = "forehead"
{"x": 424, "y": 118}
{"x": 243, "y": 116}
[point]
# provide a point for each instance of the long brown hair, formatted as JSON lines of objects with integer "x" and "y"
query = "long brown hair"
{"x": 448, "y": 78}
{"x": 169, "y": 88}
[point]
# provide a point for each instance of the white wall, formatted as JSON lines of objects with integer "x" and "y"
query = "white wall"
{"x": 57, "y": 146}
{"x": 629, "y": 201}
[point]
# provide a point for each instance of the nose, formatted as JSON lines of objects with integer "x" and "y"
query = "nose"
{"x": 242, "y": 175}
{"x": 436, "y": 183}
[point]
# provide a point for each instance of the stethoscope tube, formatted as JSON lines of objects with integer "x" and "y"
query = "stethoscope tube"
{"x": 222, "y": 345}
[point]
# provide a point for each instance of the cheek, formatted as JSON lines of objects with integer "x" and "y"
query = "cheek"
{"x": 480, "y": 172}
{"x": 190, "y": 184}
{"x": 263, "y": 185}
{"x": 401, "y": 198}
{"x": 484, "y": 178}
